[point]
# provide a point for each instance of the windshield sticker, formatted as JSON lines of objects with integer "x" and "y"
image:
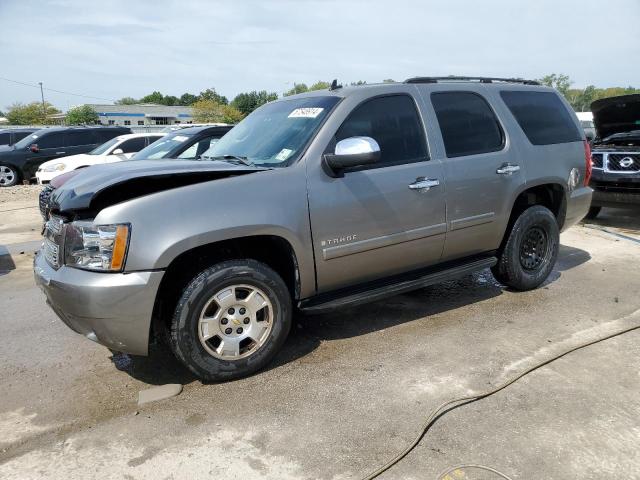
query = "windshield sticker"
{"x": 284, "y": 154}
{"x": 311, "y": 112}
{"x": 180, "y": 138}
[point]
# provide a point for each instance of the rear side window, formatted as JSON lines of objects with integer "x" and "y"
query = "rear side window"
{"x": 52, "y": 140}
{"x": 5, "y": 138}
{"x": 542, "y": 116}
{"x": 467, "y": 123}
{"x": 391, "y": 121}
{"x": 104, "y": 135}
{"x": 79, "y": 138}
{"x": 17, "y": 136}
{"x": 132, "y": 145}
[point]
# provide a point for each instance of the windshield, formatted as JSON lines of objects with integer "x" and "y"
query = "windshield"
{"x": 275, "y": 134}
{"x": 160, "y": 148}
{"x": 104, "y": 147}
{"x": 28, "y": 140}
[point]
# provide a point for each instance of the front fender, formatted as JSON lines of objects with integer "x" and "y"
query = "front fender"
{"x": 168, "y": 223}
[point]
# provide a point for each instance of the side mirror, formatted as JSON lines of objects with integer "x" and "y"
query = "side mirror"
{"x": 351, "y": 152}
{"x": 117, "y": 151}
{"x": 34, "y": 148}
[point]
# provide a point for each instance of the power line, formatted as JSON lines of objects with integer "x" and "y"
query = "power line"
{"x": 54, "y": 90}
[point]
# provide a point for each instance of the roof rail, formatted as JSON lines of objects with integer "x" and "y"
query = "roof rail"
{"x": 453, "y": 78}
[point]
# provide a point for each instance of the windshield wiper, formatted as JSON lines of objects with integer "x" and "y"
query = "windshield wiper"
{"x": 234, "y": 159}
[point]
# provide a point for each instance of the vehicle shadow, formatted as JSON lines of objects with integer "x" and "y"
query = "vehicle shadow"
{"x": 6, "y": 261}
{"x": 309, "y": 331}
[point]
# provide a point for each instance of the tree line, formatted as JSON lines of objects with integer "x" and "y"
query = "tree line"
{"x": 211, "y": 107}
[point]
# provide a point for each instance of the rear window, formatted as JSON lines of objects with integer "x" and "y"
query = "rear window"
{"x": 542, "y": 116}
{"x": 467, "y": 123}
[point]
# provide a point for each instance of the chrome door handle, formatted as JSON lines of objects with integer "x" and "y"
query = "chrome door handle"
{"x": 424, "y": 184}
{"x": 60, "y": 153}
{"x": 508, "y": 169}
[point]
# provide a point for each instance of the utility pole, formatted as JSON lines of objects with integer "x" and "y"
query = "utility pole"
{"x": 44, "y": 108}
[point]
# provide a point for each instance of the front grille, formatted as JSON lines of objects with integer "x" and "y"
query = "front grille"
{"x": 596, "y": 160}
{"x": 620, "y": 162}
{"x": 54, "y": 241}
{"x": 51, "y": 253}
{"x": 43, "y": 201}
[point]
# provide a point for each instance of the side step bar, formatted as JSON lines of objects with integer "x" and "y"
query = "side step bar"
{"x": 344, "y": 298}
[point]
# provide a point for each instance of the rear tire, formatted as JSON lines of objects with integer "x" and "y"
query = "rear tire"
{"x": 531, "y": 250}
{"x": 9, "y": 176}
{"x": 593, "y": 213}
{"x": 231, "y": 320}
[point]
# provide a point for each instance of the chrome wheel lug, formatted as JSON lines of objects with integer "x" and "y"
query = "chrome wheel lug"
{"x": 246, "y": 321}
{"x": 224, "y": 321}
{"x": 231, "y": 311}
{"x": 243, "y": 311}
{"x": 239, "y": 330}
{"x": 228, "y": 331}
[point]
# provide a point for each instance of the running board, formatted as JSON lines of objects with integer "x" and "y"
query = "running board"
{"x": 378, "y": 290}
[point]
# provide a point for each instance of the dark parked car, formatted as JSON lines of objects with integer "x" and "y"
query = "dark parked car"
{"x": 9, "y": 136}
{"x": 616, "y": 153}
{"x": 21, "y": 161}
{"x": 184, "y": 144}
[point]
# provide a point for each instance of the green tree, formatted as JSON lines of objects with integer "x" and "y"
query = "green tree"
{"x": 231, "y": 114}
{"x": 82, "y": 115}
{"x": 30, "y": 114}
{"x": 248, "y": 102}
{"x": 560, "y": 82}
{"x": 188, "y": 99}
{"x": 155, "y": 97}
{"x": 127, "y": 101}
{"x": 297, "y": 88}
{"x": 210, "y": 111}
{"x": 211, "y": 94}
{"x": 320, "y": 85}
{"x": 170, "y": 100}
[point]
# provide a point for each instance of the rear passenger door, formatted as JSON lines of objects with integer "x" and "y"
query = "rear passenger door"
{"x": 377, "y": 220}
{"x": 481, "y": 170}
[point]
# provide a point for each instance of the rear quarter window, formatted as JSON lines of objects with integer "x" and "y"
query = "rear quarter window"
{"x": 542, "y": 116}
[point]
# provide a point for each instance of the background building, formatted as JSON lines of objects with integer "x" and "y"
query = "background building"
{"x": 142, "y": 115}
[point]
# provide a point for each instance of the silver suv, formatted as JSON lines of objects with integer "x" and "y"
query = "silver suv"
{"x": 315, "y": 202}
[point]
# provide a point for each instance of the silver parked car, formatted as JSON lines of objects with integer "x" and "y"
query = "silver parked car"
{"x": 314, "y": 202}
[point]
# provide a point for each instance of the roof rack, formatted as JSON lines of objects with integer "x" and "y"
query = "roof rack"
{"x": 453, "y": 78}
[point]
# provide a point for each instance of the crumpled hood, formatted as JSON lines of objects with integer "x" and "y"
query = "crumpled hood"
{"x": 103, "y": 185}
{"x": 616, "y": 115}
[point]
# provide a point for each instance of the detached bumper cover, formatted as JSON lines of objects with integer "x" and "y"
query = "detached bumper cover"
{"x": 113, "y": 309}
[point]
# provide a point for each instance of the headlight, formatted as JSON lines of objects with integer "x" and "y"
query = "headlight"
{"x": 56, "y": 167}
{"x": 96, "y": 247}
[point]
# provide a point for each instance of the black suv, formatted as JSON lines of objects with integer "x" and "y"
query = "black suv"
{"x": 9, "y": 136}
{"x": 185, "y": 144}
{"x": 21, "y": 161}
{"x": 616, "y": 153}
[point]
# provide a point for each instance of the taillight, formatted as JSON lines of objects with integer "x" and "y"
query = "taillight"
{"x": 587, "y": 162}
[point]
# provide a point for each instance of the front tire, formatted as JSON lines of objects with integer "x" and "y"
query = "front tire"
{"x": 531, "y": 250}
{"x": 9, "y": 176}
{"x": 231, "y": 320}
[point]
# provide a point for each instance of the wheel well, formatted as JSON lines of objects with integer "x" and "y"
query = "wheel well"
{"x": 550, "y": 195}
{"x": 273, "y": 251}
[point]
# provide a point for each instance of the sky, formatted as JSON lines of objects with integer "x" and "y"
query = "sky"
{"x": 116, "y": 48}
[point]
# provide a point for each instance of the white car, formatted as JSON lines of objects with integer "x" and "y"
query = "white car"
{"x": 115, "y": 150}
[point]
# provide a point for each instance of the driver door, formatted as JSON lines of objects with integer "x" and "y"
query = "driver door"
{"x": 370, "y": 223}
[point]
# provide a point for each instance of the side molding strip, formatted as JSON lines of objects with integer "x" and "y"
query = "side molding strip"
{"x": 384, "y": 241}
{"x": 472, "y": 221}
